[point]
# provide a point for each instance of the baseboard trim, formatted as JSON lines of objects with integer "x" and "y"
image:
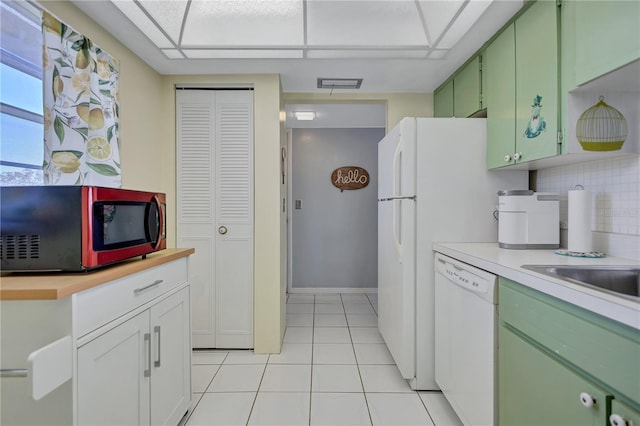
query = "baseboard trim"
{"x": 332, "y": 290}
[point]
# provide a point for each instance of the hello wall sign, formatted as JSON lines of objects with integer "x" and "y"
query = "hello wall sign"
{"x": 349, "y": 177}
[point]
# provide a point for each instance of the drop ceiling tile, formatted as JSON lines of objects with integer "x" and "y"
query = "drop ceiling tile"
{"x": 244, "y": 23}
{"x": 242, "y": 53}
{"x": 367, "y": 54}
{"x": 364, "y": 23}
{"x": 437, "y": 15}
{"x": 142, "y": 21}
{"x": 465, "y": 20}
{"x": 168, "y": 14}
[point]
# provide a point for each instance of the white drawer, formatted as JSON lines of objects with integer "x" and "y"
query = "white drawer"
{"x": 102, "y": 304}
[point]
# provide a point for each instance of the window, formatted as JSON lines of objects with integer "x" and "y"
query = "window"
{"x": 21, "y": 120}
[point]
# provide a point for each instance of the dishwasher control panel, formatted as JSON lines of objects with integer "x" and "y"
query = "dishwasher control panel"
{"x": 469, "y": 277}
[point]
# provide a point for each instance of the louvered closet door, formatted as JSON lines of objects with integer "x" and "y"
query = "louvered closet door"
{"x": 234, "y": 215}
{"x": 215, "y": 212}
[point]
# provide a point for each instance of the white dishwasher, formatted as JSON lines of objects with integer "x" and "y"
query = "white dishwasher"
{"x": 466, "y": 339}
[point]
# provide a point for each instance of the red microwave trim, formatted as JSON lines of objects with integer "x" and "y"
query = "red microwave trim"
{"x": 91, "y": 194}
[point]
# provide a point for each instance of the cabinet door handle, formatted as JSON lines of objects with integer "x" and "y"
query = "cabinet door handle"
{"x": 13, "y": 372}
{"x": 517, "y": 156}
{"x": 587, "y": 400}
{"x": 507, "y": 158}
{"x": 139, "y": 290}
{"x": 618, "y": 420}
{"x": 147, "y": 344}
{"x": 156, "y": 330}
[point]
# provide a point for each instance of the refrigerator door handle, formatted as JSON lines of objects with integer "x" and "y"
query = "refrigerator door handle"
{"x": 396, "y": 193}
{"x": 395, "y": 225}
{"x": 397, "y": 177}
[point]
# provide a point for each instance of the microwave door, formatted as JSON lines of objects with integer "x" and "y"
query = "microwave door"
{"x": 154, "y": 223}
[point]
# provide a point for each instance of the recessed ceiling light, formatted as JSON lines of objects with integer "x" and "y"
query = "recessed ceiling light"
{"x": 339, "y": 83}
{"x": 304, "y": 115}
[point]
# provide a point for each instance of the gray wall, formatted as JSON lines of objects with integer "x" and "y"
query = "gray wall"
{"x": 334, "y": 234}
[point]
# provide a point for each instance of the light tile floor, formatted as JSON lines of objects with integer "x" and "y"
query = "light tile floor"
{"x": 334, "y": 369}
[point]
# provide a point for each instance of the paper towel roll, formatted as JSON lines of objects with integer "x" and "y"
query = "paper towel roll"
{"x": 580, "y": 238}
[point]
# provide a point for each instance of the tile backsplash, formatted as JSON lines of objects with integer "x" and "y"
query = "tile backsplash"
{"x": 615, "y": 186}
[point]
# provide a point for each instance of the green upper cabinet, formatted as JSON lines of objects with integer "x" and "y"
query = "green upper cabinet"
{"x": 461, "y": 95}
{"x": 607, "y": 36}
{"x": 600, "y": 58}
{"x": 443, "y": 101}
{"x": 500, "y": 96}
{"x": 537, "y": 82}
{"x": 467, "y": 89}
{"x": 523, "y": 88}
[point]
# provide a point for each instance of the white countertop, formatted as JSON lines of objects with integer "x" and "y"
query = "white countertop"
{"x": 507, "y": 263}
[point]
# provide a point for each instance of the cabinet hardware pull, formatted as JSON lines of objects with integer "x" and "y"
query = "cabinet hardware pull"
{"x": 618, "y": 420}
{"x": 147, "y": 287}
{"x": 587, "y": 400}
{"x": 147, "y": 341}
{"x": 13, "y": 372}
{"x": 156, "y": 329}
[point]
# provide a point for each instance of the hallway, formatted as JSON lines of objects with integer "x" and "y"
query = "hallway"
{"x": 334, "y": 369}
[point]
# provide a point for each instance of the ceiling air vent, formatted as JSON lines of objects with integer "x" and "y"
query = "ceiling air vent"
{"x": 339, "y": 83}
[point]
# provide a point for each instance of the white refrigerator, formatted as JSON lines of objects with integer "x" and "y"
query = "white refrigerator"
{"x": 433, "y": 186}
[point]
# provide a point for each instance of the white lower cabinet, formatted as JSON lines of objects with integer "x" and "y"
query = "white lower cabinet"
{"x": 112, "y": 387}
{"x": 138, "y": 372}
{"x": 171, "y": 349}
{"x": 131, "y": 345}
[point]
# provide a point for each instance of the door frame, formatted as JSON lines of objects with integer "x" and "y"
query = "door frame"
{"x": 289, "y": 210}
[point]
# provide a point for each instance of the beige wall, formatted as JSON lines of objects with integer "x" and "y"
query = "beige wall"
{"x": 399, "y": 105}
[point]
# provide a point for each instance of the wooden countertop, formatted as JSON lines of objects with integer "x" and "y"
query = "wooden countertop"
{"x": 56, "y": 285}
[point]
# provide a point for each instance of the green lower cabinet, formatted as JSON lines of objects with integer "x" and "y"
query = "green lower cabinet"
{"x": 537, "y": 390}
{"x": 559, "y": 364}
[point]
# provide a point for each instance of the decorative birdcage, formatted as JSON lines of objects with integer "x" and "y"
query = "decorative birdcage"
{"x": 601, "y": 128}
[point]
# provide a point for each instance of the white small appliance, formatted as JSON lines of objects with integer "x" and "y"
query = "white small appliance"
{"x": 466, "y": 337}
{"x": 433, "y": 186}
{"x": 528, "y": 220}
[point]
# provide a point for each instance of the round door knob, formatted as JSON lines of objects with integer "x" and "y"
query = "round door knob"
{"x": 507, "y": 158}
{"x": 618, "y": 420}
{"x": 517, "y": 156}
{"x": 587, "y": 400}
{"x": 223, "y": 230}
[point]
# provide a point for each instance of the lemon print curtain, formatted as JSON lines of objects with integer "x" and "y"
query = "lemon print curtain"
{"x": 80, "y": 84}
